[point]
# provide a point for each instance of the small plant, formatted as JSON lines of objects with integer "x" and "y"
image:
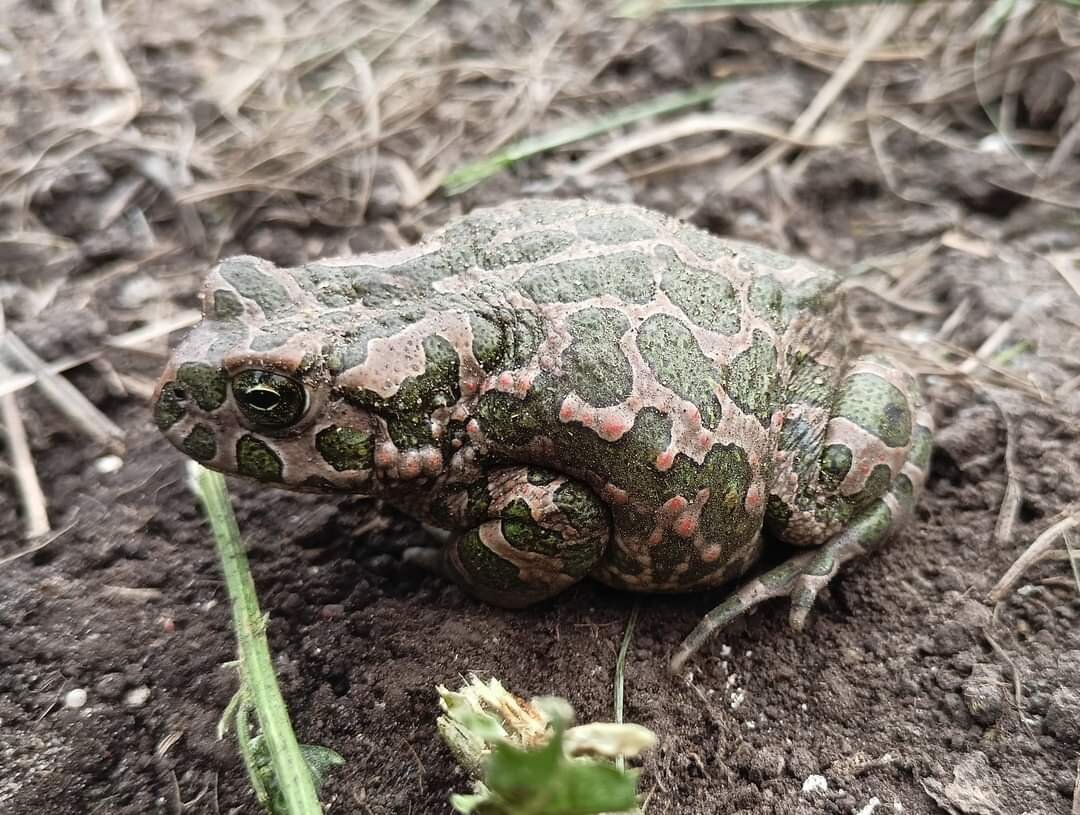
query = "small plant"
{"x": 528, "y": 760}
{"x": 285, "y": 775}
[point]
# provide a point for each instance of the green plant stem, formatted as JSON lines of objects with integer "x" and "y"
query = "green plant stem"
{"x": 471, "y": 174}
{"x": 256, "y": 668}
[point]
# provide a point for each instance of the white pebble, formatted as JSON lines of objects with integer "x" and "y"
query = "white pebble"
{"x": 870, "y": 807}
{"x": 106, "y": 465}
{"x": 75, "y": 699}
{"x": 815, "y": 783}
{"x": 137, "y": 697}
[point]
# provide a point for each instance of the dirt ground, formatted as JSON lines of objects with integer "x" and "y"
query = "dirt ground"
{"x": 142, "y": 143}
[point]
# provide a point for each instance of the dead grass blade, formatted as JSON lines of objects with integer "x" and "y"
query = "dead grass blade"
{"x": 129, "y": 340}
{"x": 35, "y": 515}
{"x": 64, "y": 396}
{"x": 883, "y": 25}
{"x": 1039, "y": 548}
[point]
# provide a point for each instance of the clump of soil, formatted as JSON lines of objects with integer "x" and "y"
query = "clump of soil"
{"x": 907, "y": 687}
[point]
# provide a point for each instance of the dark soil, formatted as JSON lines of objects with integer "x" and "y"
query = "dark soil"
{"x": 903, "y": 689}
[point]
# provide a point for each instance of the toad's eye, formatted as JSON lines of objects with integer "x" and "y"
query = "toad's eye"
{"x": 269, "y": 401}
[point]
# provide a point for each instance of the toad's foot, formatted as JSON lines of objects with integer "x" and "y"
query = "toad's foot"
{"x": 801, "y": 578}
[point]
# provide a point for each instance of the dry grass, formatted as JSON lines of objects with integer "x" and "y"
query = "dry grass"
{"x": 194, "y": 121}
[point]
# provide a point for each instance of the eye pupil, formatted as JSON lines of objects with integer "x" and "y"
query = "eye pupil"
{"x": 262, "y": 398}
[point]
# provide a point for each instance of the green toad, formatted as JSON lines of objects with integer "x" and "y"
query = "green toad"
{"x": 571, "y": 389}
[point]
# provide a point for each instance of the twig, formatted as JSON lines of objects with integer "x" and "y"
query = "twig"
{"x": 883, "y": 25}
{"x": 1038, "y": 548}
{"x": 35, "y": 515}
{"x": 127, "y": 341}
{"x": 692, "y": 125}
{"x": 66, "y": 397}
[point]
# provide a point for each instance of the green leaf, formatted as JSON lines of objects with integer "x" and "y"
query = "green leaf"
{"x": 546, "y": 782}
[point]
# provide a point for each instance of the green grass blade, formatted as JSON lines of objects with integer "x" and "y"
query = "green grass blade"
{"x": 292, "y": 774}
{"x": 471, "y": 174}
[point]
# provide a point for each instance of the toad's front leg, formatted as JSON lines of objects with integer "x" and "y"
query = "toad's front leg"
{"x": 535, "y": 533}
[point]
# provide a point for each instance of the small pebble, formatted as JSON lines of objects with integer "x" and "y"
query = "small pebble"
{"x": 982, "y": 692}
{"x": 871, "y": 806}
{"x": 75, "y": 699}
{"x": 106, "y": 465}
{"x": 332, "y": 611}
{"x": 767, "y": 763}
{"x": 137, "y": 697}
{"x": 1063, "y": 716}
{"x": 814, "y": 784}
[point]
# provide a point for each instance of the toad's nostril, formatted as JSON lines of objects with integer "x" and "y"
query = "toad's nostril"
{"x": 180, "y": 394}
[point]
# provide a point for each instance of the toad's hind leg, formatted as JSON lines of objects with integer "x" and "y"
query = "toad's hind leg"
{"x": 852, "y": 472}
{"x": 536, "y": 533}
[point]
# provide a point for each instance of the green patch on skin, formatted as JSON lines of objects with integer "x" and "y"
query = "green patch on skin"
{"x": 627, "y": 275}
{"x": 766, "y": 299}
{"x": 508, "y": 420}
{"x": 777, "y": 516}
{"x": 725, "y": 472}
{"x": 226, "y": 305}
{"x": 341, "y": 286}
{"x": 345, "y": 448}
{"x": 873, "y": 524}
{"x": 529, "y": 247}
{"x": 679, "y": 364}
{"x": 835, "y": 465}
{"x": 581, "y": 507}
{"x": 350, "y": 346}
{"x": 752, "y": 378}
{"x": 922, "y": 445}
{"x": 904, "y": 490}
{"x": 594, "y": 366}
{"x": 488, "y": 342}
{"x": 704, "y": 244}
{"x": 614, "y": 229}
{"x": 814, "y": 296}
{"x": 408, "y": 412}
{"x": 759, "y": 255}
{"x": 255, "y": 459}
{"x": 274, "y": 336}
{"x": 485, "y": 570}
{"x": 332, "y": 286}
{"x": 705, "y": 297}
{"x": 876, "y": 406}
{"x": 205, "y": 384}
{"x": 842, "y": 508}
{"x": 667, "y": 555}
{"x": 811, "y": 382}
{"x": 257, "y": 286}
{"x": 465, "y": 506}
{"x": 526, "y": 333}
{"x": 170, "y": 407}
{"x": 525, "y": 534}
{"x": 450, "y": 259}
{"x": 200, "y": 443}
